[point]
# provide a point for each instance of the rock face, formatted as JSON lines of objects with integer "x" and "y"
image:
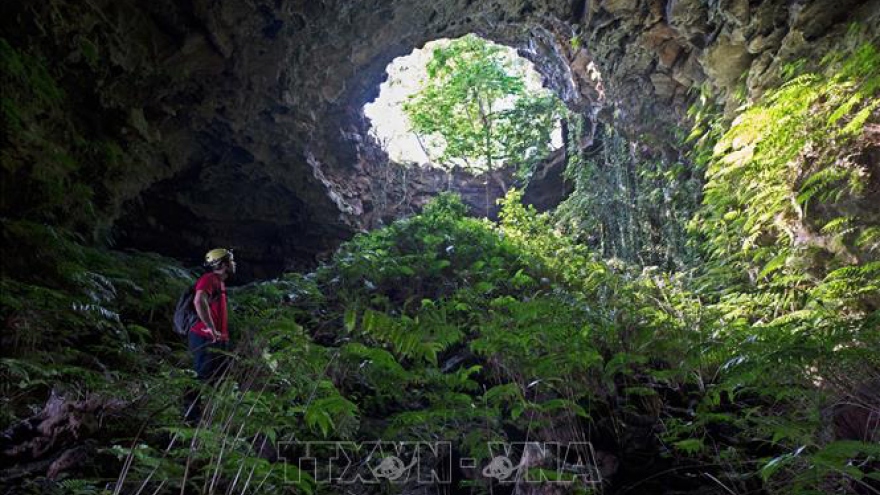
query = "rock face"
{"x": 240, "y": 123}
{"x": 548, "y": 185}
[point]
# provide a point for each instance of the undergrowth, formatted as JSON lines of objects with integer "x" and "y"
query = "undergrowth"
{"x": 444, "y": 327}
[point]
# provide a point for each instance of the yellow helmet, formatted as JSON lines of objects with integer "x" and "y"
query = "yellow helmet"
{"x": 215, "y": 256}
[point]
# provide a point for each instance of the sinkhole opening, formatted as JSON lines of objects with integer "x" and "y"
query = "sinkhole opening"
{"x": 466, "y": 103}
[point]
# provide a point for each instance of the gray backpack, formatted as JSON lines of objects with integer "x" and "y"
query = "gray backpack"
{"x": 185, "y": 315}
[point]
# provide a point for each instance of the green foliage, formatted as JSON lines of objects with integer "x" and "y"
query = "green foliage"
{"x": 328, "y": 413}
{"x": 78, "y": 318}
{"x": 476, "y": 111}
{"x": 446, "y": 327}
{"x": 779, "y": 318}
{"x": 781, "y": 155}
{"x": 624, "y": 205}
{"x": 31, "y": 71}
{"x": 31, "y": 105}
{"x": 56, "y": 167}
{"x": 784, "y": 321}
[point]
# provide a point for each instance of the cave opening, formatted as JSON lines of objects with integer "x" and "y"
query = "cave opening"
{"x": 502, "y": 92}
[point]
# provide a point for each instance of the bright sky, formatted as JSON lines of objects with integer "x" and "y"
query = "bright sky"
{"x": 406, "y": 75}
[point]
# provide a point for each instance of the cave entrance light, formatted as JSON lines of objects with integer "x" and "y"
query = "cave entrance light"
{"x": 390, "y": 125}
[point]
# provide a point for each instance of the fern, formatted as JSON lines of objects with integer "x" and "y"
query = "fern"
{"x": 333, "y": 414}
{"x": 869, "y": 239}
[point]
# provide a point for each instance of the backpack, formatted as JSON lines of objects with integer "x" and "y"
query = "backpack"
{"x": 185, "y": 315}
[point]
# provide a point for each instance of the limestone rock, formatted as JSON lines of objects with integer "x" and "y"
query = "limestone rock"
{"x": 690, "y": 18}
{"x": 664, "y": 85}
{"x": 620, "y": 6}
{"x": 762, "y": 43}
{"x": 725, "y": 63}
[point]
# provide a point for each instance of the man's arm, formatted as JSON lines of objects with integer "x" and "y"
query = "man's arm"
{"x": 203, "y": 309}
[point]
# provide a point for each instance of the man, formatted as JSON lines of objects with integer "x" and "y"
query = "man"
{"x": 210, "y": 334}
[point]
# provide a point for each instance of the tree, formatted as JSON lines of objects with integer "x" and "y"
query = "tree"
{"x": 476, "y": 112}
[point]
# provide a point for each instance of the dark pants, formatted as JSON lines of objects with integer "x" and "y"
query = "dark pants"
{"x": 209, "y": 366}
{"x": 208, "y": 363}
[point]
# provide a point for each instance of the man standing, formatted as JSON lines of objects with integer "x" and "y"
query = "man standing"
{"x": 210, "y": 334}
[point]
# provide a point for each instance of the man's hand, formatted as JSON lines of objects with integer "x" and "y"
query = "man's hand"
{"x": 215, "y": 335}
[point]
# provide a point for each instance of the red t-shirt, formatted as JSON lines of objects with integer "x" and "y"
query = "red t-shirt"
{"x": 215, "y": 289}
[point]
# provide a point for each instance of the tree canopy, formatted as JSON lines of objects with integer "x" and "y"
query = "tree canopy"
{"x": 476, "y": 111}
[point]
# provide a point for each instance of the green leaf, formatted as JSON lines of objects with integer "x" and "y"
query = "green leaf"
{"x": 690, "y": 446}
{"x": 777, "y": 463}
{"x": 350, "y": 319}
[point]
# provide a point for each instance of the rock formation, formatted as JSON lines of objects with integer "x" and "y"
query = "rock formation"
{"x": 241, "y": 124}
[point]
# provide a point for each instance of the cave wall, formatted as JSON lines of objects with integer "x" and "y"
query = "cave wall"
{"x": 193, "y": 124}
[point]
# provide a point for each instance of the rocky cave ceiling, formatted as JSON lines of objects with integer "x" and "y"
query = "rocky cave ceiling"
{"x": 242, "y": 121}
